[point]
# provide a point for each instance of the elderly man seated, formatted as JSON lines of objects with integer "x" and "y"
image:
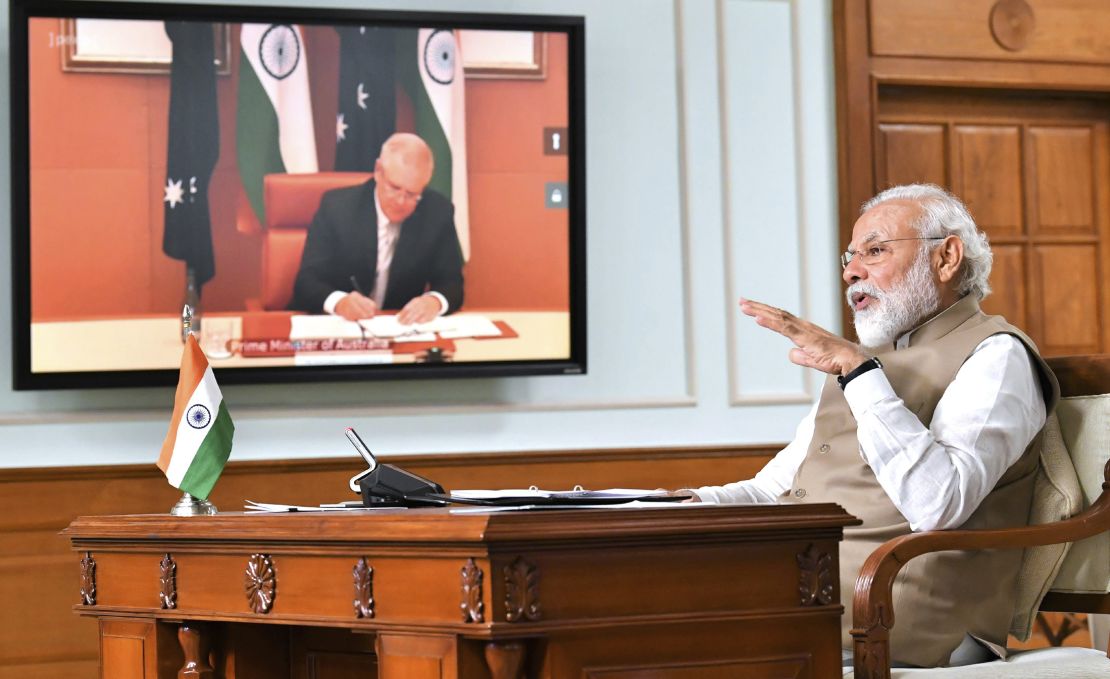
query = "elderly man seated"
{"x": 933, "y": 421}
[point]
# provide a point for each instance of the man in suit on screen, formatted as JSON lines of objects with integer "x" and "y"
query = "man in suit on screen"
{"x": 388, "y": 244}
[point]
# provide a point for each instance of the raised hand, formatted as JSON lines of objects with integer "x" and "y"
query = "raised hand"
{"x": 815, "y": 347}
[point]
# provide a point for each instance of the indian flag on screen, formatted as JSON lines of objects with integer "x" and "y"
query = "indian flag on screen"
{"x": 274, "y": 130}
{"x": 434, "y": 82}
{"x": 199, "y": 440}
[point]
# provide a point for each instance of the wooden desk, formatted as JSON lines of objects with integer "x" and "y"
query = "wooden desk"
{"x": 672, "y": 591}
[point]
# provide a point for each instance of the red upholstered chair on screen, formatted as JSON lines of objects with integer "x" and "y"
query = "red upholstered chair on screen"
{"x": 291, "y": 201}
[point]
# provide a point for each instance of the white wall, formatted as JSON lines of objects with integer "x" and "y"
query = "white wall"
{"x": 711, "y": 168}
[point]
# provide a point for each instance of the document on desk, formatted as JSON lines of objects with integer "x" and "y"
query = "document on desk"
{"x": 635, "y": 504}
{"x": 578, "y": 496}
{"x": 268, "y": 507}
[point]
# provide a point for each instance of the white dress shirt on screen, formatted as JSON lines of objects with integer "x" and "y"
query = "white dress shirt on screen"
{"x": 937, "y": 475}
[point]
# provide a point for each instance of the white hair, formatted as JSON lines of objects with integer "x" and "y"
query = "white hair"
{"x": 942, "y": 215}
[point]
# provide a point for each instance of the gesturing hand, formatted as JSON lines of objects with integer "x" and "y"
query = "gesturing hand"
{"x": 815, "y": 347}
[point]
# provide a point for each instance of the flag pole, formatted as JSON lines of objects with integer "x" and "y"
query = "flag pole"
{"x": 189, "y": 505}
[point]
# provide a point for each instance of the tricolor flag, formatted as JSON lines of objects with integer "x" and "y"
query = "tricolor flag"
{"x": 434, "y": 82}
{"x": 199, "y": 440}
{"x": 273, "y": 130}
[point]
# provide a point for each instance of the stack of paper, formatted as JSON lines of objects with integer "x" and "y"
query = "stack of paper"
{"x": 459, "y": 326}
{"x": 311, "y": 327}
{"x": 578, "y": 496}
{"x": 267, "y": 507}
{"x": 470, "y": 326}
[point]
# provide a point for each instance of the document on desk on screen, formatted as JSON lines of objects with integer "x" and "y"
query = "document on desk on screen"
{"x": 467, "y": 325}
{"x": 311, "y": 327}
{"x": 459, "y": 326}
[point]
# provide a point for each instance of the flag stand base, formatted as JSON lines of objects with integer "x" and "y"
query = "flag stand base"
{"x": 191, "y": 506}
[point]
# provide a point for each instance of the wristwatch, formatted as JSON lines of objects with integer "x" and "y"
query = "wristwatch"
{"x": 870, "y": 364}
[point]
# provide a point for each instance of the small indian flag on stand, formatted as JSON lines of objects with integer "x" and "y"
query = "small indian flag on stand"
{"x": 199, "y": 440}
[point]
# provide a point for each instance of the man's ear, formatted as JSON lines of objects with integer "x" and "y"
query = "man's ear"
{"x": 947, "y": 258}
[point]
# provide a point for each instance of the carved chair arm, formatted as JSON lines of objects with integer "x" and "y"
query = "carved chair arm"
{"x": 872, "y": 606}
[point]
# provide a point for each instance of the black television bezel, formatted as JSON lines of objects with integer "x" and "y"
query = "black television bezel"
{"x": 20, "y": 11}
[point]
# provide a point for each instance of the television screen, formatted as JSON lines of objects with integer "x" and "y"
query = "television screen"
{"x": 327, "y": 194}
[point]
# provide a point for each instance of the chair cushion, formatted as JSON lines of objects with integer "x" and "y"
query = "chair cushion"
{"x": 281, "y": 258}
{"x": 1042, "y": 663}
{"x": 1056, "y": 496}
{"x": 1085, "y": 424}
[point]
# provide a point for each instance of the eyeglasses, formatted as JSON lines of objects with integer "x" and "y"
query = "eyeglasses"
{"x": 875, "y": 253}
{"x": 397, "y": 191}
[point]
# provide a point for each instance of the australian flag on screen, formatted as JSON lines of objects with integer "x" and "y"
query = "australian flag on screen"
{"x": 367, "y": 112}
{"x": 194, "y": 146}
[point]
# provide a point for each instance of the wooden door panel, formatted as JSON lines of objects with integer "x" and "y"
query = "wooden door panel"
{"x": 1008, "y": 284}
{"x": 1050, "y": 30}
{"x": 988, "y": 172}
{"x": 912, "y": 153}
{"x": 122, "y": 657}
{"x": 1028, "y": 169}
{"x": 1060, "y": 162}
{"x": 331, "y": 654}
{"x": 1069, "y": 305}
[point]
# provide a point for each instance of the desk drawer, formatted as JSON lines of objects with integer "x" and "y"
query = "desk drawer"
{"x": 1076, "y": 31}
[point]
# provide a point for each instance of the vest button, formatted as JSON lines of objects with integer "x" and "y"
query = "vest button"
{"x": 800, "y": 493}
{"x": 824, "y": 448}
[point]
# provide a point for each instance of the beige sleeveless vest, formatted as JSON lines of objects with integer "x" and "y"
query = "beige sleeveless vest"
{"x": 937, "y": 597}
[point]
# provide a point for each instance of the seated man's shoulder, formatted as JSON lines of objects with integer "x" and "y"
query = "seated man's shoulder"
{"x": 345, "y": 196}
{"x": 433, "y": 200}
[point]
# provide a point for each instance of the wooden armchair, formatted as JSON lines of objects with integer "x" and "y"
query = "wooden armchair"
{"x": 1084, "y": 383}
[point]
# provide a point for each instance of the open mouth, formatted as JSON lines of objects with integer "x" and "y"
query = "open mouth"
{"x": 861, "y": 301}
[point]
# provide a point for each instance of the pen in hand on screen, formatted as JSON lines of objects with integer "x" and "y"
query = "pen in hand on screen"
{"x": 358, "y": 288}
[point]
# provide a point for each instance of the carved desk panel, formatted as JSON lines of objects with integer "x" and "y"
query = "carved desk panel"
{"x": 673, "y": 591}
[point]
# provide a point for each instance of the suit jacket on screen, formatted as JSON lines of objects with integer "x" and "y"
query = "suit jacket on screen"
{"x": 343, "y": 242}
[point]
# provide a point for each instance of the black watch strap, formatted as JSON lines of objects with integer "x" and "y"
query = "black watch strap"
{"x": 870, "y": 364}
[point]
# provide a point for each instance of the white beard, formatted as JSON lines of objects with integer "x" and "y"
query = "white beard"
{"x": 899, "y": 309}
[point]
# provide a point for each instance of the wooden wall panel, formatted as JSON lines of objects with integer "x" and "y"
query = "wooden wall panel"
{"x": 988, "y": 176}
{"x": 1063, "y": 274}
{"x": 1060, "y": 162}
{"x": 39, "y": 579}
{"x": 912, "y": 153}
{"x": 1008, "y": 282}
{"x": 1050, "y": 30}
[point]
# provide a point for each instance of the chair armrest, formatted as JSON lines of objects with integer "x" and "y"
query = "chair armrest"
{"x": 872, "y": 604}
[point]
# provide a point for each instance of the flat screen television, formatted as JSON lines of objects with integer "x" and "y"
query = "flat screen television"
{"x": 235, "y": 159}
